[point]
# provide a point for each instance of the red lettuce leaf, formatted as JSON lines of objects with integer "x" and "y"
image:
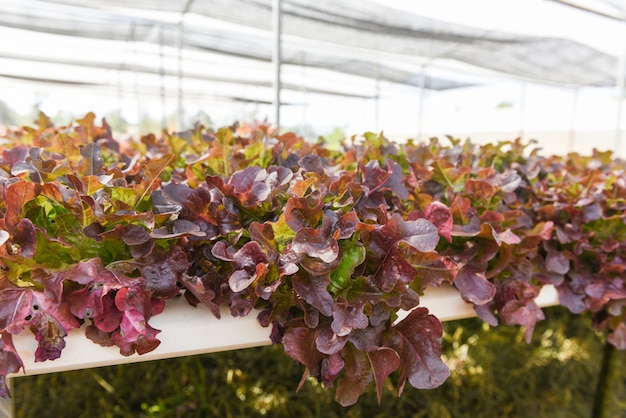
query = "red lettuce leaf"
{"x": 419, "y": 234}
{"x": 347, "y": 316}
{"x": 328, "y": 342}
{"x": 395, "y": 268}
{"x": 205, "y": 295}
{"x": 299, "y": 344}
{"x": 417, "y": 340}
{"x": 473, "y": 285}
{"x": 319, "y": 243}
{"x": 16, "y": 197}
{"x": 303, "y": 212}
{"x": 92, "y": 163}
{"x": 21, "y": 308}
{"x": 525, "y": 313}
{"x": 249, "y": 263}
{"x": 10, "y": 362}
{"x": 383, "y": 361}
{"x": 118, "y": 305}
{"x": 378, "y": 179}
{"x": 314, "y": 290}
{"x": 162, "y": 272}
{"x": 357, "y": 377}
{"x": 134, "y": 333}
{"x": 439, "y": 215}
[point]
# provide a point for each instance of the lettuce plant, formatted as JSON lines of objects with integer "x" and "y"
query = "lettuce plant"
{"x": 326, "y": 247}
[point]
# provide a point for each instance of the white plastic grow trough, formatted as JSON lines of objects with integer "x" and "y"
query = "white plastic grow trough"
{"x": 188, "y": 330}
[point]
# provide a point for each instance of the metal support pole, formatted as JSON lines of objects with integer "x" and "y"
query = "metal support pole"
{"x": 303, "y": 91}
{"x": 162, "y": 76}
{"x": 522, "y": 110}
{"x": 377, "y": 99}
{"x": 137, "y": 92}
{"x": 620, "y": 83}
{"x": 422, "y": 103}
{"x": 180, "y": 112}
{"x": 572, "y": 130}
{"x": 276, "y": 58}
{"x": 179, "y": 104}
{"x": 606, "y": 382}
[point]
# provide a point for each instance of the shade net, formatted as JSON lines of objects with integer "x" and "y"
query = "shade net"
{"x": 353, "y": 37}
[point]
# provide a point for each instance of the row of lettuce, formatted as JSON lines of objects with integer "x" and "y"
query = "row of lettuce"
{"x": 325, "y": 246}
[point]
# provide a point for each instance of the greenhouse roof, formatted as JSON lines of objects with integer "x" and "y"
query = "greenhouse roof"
{"x": 361, "y": 38}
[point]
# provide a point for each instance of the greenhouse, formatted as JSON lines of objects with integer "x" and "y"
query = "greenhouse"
{"x": 331, "y": 208}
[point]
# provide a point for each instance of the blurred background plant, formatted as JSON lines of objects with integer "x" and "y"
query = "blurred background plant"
{"x": 494, "y": 373}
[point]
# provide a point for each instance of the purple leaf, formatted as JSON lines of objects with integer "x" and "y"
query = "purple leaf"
{"x": 51, "y": 338}
{"x": 357, "y": 377}
{"x": 433, "y": 269}
{"x": 347, "y": 224}
{"x": 99, "y": 337}
{"x": 205, "y": 295}
{"x": 573, "y": 301}
{"x": 391, "y": 179}
{"x": 299, "y": 344}
{"x": 142, "y": 250}
{"x": 26, "y": 237}
{"x": 134, "y": 333}
{"x": 508, "y": 237}
{"x": 316, "y": 243}
{"x": 135, "y": 235}
{"x": 249, "y": 263}
{"x": 163, "y": 271}
{"x": 417, "y": 340}
{"x": 485, "y": 313}
{"x": 264, "y": 289}
{"x": 304, "y": 211}
{"x": 92, "y": 163}
{"x": 52, "y": 322}
{"x": 347, "y": 317}
{"x": 618, "y": 337}
{"x": 473, "y": 285}
{"x": 96, "y": 302}
{"x": 118, "y": 305}
{"x": 556, "y": 262}
{"x": 384, "y": 361}
{"x": 516, "y": 312}
{"x": 330, "y": 369}
{"x": 21, "y": 308}
{"x": 312, "y": 162}
{"x": 194, "y": 201}
{"x": 395, "y": 269}
{"x": 263, "y": 233}
{"x": 10, "y": 362}
{"x": 366, "y": 339}
{"x": 328, "y": 342}
{"x": 470, "y": 229}
{"x": 419, "y": 234}
{"x": 250, "y": 187}
{"x": 184, "y": 227}
{"x": 240, "y": 304}
{"x": 14, "y": 155}
{"x": 440, "y": 216}
{"x": 314, "y": 290}
{"x": 181, "y": 228}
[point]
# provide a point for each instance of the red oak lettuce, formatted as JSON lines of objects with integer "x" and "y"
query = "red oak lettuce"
{"x": 326, "y": 246}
